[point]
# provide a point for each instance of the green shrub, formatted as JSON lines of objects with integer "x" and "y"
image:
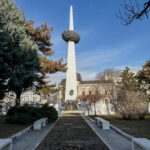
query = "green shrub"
{"x": 28, "y": 114}
{"x": 21, "y": 119}
{"x": 49, "y": 112}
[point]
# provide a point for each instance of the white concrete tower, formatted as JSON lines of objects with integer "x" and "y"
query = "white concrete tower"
{"x": 71, "y": 78}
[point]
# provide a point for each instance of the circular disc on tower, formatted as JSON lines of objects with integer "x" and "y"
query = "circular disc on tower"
{"x": 70, "y": 35}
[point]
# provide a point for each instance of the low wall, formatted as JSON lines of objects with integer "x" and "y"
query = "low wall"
{"x": 149, "y": 108}
{"x": 101, "y": 109}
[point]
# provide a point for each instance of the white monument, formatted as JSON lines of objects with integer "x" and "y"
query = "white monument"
{"x": 71, "y": 79}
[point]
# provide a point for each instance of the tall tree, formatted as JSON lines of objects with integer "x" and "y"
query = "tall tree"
{"x": 144, "y": 78}
{"x": 126, "y": 98}
{"x": 129, "y": 80}
{"x": 91, "y": 99}
{"x": 4, "y": 70}
{"x": 19, "y": 62}
{"x": 132, "y": 9}
{"x": 42, "y": 36}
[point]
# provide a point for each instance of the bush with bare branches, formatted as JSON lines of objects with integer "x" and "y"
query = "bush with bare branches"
{"x": 130, "y": 104}
{"x": 90, "y": 100}
{"x": 133, "y": 9}
{"x": 126, "y": 98}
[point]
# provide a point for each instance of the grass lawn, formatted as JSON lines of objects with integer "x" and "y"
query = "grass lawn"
{"x": 7, "y": 129}
{"x": 137, "y": 128}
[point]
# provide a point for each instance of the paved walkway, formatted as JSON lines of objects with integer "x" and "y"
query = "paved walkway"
{"x": 71, "y": 132}
{"x": 112, "y": 138}
{"x": 31, "y": 139}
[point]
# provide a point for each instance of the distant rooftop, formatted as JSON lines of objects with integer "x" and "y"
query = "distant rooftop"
{"x": 96, "y": 82}
{"x": 79, "y": 78}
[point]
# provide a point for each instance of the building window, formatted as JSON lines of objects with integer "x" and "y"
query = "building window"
{"x": 96, "y": 92}
{"x": 90, "y": 92}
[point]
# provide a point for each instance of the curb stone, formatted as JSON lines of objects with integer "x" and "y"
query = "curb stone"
{"x": 73, "y": 112}
{"x": 20, "y": 133}
{"x": 91, "y": 119}
{"x": 52, "y": 126}
{"x": 108, "y": 146}
{"x": 117, "y": 130}
{"x": 121, "y": 132}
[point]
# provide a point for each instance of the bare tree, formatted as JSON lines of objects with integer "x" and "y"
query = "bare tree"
{"x": 133, "y": 9}
{"x": 126, "y": 98}
{"x": 53, "y": 99}
{"x": 90, "y": 100}
{"x": 110, "y": 73}
{"x": 131, "y": 104}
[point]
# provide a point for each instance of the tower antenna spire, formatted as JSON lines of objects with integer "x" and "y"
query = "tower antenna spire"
{"x": 71, "y": 27}
{"x": 71, "y": 77}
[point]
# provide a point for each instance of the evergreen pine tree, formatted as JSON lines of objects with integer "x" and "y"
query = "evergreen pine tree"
{"x": 129, "y": 80}
{"x": 42, "y": 36}
{"x": 19, "y": 62}
{"x": 144, "y": 78}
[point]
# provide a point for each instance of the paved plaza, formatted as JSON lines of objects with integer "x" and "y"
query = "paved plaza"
{"x": 71, "y": 132}
{"x": 31, "y": 139}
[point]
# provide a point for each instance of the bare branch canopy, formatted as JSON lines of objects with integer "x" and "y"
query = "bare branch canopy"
{"x": 133, "y": 9}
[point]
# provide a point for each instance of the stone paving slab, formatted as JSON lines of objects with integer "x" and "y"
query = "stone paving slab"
{"x": 112, "y": 138}
{"x": 31, "y": 139}
{"x": 71, "y": 132}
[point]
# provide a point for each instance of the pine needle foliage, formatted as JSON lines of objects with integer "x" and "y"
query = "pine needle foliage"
{"x": 19, "y": 62}
{"x": 41, "y": 35}
{"x": 144, "y": 78}
{"x": 129, "y": 80}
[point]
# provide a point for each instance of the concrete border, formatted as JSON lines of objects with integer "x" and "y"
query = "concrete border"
{"x": 91, "y": 119}
{"x": 117, "y": 130}
{"x": 76, "y": 111}
{"x": 6, "y": 142}
{"x": 84, "y": 117}
{"x": 20, "y": 133}
{"x": 121, "y": 132}
{"x": 52, "y": 126}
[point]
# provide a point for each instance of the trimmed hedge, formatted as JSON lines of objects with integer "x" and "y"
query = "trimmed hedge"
{"x": 28, "y": 114}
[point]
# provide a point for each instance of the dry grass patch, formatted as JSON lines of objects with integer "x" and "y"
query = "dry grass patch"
{"x": 7, "y": 129}
{"x": 137, "y": 128}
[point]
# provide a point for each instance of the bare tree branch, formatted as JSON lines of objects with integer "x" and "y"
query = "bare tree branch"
{"x": 132, "y": 10}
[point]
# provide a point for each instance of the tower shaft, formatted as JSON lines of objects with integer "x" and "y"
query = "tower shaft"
{"x": 71, "y": 26}
{"x": 71, "y": 78}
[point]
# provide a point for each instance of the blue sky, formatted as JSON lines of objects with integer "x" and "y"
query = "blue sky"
{"x": 105, "y": 42}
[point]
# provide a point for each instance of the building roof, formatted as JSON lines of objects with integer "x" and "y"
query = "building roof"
{"x": 79, "y": 78}
{"x": 96, "y": 82}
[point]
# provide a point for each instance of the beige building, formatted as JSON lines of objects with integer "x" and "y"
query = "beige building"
{"x": 89, "y": 87}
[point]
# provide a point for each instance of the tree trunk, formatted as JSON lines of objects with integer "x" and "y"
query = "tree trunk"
{"x": 18, "y": 99}
{"x": 94, "y": 109}
{"x": 87, "y": 107}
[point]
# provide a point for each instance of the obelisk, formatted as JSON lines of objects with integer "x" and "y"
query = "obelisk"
{"x": 71, "y": 78}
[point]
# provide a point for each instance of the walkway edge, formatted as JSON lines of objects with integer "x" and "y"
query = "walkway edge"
{"x": 20, "y": 133}
{"x": 52, "y": 126}
{"x": 74, "y": 112}
{"x": 121, "y": 132}
{"x": 117, "y": 130}
{"x": 96, "y": 132}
